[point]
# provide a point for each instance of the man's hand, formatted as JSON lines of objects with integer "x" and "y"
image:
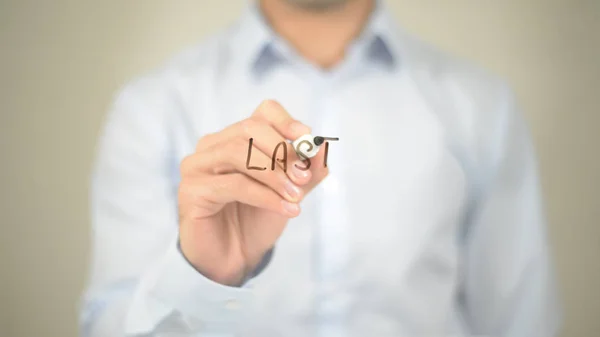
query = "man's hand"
{"x": 231, "y": 216}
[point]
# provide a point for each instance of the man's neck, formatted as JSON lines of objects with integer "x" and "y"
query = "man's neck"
{"x": 320, "y": 36}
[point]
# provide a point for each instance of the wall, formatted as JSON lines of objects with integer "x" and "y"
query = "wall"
{"x": 61, "y": 62}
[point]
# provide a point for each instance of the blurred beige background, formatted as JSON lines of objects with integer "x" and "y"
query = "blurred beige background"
{"x": 61, "y": 62}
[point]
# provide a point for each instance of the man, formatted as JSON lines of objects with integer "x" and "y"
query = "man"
{"x": 426, "y": 220}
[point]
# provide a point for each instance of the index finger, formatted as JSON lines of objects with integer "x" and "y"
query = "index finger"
{"x": 274, "y": 114}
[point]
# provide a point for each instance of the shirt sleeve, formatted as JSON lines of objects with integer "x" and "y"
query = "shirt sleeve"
{"x": 509, "y": 281}
{"x": 140, "y": 284}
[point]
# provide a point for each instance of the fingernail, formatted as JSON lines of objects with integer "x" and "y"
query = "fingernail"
{"x": 290, "y": 208}
{"x": 298, "y": 172}
{"x": 299, "y": 128}
{"x": 292, "y": 190}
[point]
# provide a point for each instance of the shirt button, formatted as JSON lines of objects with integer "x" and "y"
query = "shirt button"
{"x": 233, "y": 305}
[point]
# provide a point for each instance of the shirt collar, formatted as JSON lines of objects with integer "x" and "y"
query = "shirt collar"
{"x": 260, "y": 48}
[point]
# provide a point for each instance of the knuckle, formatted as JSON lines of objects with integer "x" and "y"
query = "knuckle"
{"x": 187, "y": 165}
{"x": 188, "y": 195}
{"x": 230, "y": 151}
{"x": 206, "y": 139}
{"x": 248, "y": 127}
{"x": 267, "y": 106}
{"x": 217, "y": 151}
{"x": 270, "y": 104}
{"x": 200, "y": 193}
{"x": 238, "y": 145}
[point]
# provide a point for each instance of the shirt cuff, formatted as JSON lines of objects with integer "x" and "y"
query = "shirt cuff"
{"x": 179, "y": 285}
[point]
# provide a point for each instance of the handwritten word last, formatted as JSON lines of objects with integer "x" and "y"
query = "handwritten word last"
{"x": 283, "y": 146}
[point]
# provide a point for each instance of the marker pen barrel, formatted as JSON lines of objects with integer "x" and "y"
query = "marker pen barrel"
{"x": 307, "y": 146}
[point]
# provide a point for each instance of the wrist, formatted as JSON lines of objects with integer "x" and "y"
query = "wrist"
{"x": 224, "y": 276}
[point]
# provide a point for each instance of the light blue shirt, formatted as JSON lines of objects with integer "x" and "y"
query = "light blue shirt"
{"x": 429, "y": 224}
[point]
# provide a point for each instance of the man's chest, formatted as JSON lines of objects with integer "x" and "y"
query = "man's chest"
{"x": 381, "y": 230}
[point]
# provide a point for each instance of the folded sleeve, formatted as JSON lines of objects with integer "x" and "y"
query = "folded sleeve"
{"x": 139, "y": 283}
{"x": 509, "y": 280}
{"x": 195, "y": 304}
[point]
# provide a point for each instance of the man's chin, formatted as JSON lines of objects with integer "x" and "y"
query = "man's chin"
{"x": 318, "y": 5}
